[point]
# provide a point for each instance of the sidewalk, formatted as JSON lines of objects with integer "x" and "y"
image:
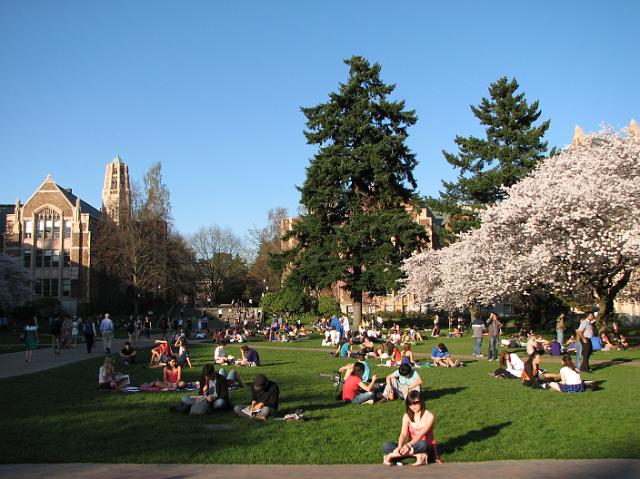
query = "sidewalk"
{"x": 13, "y": 364}
{"x": 533, "y": 469}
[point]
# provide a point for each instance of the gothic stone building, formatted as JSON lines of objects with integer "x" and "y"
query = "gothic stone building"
{"x": 53, "y": 233}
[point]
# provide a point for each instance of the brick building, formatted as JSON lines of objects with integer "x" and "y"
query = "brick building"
{"x": 53, "y": 233}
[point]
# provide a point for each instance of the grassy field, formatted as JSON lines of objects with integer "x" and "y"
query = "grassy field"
{"x": 60, "y": 416}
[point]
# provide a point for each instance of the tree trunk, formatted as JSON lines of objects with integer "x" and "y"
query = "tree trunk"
{"x": 606, "y": 297}
{"x": 474, "y": 310}
{"x": 357, "y": 309}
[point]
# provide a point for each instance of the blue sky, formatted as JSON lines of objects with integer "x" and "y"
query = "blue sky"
{"x": 213, "y": 90}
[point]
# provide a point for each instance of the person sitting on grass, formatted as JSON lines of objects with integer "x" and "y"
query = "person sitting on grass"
{"x": 623, "y": 343}
{"x": 249, "y": 357}
{"x": 348, "y": 368}
{"x": 108, "y": 379}
{"x": 511, "y": 366}
{"x": 171, "y": 377}
{"x": 414, "y": 334}
{"x": 355, "y": 389}
{"x": 531, "y": 372}
{"x": 394, "y": 354}
{"x": 344, "y": 349}
{"x": 265, "y": 395}
{"x": 127, "y": 354}
{"x": 407, "y": 355}
{"x": 607, "y": 345}
{"x": 440, "y": 356}
{"x": 416, "y": 435}
{"x": 219, "y": 356}
{"x": 160, "y": 353}
{"x": 183, "y": 353}
{"x": 366, "y": 345}
{"x": 401, "y": 382}
{"x": 570, "y": 380}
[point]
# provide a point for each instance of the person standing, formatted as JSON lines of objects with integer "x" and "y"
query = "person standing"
{"x": 477, "y": 327}
{"x": 31, "y": 338}
{"x": 55, "y": 328}
{"x": 585, "y": 333}
{"x": 75, "y": 330}
{"x": 493, "y": 326}
{"x": 106, "y": 330}
{"x": 560, "y": 328}
{"x": 146, "y": 327}
{"x": 89, "y": 330}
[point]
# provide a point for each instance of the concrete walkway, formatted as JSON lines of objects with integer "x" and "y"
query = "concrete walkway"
{"x": 13, "y": 364}
{"x": 535, "y": 469}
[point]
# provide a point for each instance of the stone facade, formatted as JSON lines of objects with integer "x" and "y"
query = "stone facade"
{"x": 53, "y": 233}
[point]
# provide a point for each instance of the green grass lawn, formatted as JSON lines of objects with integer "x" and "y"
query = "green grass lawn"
{"x": 60, "y": 416}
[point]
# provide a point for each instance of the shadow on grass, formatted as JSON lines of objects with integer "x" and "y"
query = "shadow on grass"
{"x": 431, "y": 394}
{"x": 611, "y": 362}
{"x": 315, "y": 407}
{"x": 477, "y": 435}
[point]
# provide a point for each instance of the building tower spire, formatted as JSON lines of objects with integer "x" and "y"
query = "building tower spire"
{"x": 116, "y": 193}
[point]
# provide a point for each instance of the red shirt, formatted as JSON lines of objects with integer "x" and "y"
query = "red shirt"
{"x": 350, "y": 388}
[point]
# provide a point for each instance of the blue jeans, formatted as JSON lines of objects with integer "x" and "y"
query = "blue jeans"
{"x": 362, "y": 397}
{"x": 578, "y": 344}
{"x": 231, "y": 376}
{"x": 493, "y": 347}
{"x": 477, "y": 349}
{"x": 560, "y": 336}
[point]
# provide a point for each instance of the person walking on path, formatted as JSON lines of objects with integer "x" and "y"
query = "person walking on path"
{"x": 89, "y": 330}
{"x": 55, "y": 328}
{"x": 493, "y": 326}
{"x": 584, "y": 335}
{"x": 560, "y": 328}
{"x": 31, "y": 338}
{"x": 478, "y": 328}
{"x": 106, "y": 330}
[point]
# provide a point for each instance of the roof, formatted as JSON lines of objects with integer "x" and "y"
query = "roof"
{"x": 84, "y": 206}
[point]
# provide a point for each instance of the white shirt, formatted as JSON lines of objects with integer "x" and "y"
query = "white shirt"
{"x": 568, "y": 376}
{"x": 516, "y": 367}
{"x": 106, "y": 325}
{"x": 219, "y": 353}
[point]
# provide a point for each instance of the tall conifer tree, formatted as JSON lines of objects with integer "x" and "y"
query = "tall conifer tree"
{"x": 513, "y": 146}
{"x": 359, "y": 184}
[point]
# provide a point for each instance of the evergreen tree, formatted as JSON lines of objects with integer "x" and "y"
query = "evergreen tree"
{"x": 356, "y": 229}
{"x": 513, "y": 146}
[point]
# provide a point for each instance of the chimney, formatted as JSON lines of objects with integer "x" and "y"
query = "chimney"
{"x": 69, "y": 190}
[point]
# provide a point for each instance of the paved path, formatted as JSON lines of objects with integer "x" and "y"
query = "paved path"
{"x": 536, "y": 469}
{"x": 13, "y": 364}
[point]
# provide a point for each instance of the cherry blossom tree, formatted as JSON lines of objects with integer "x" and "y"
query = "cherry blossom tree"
{"x": 572, "y": 225}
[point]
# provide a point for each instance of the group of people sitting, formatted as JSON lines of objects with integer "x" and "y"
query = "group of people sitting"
{"x": 512, "y": 367}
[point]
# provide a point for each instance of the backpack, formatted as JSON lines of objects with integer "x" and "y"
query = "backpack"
{"x": 88, "y": 327}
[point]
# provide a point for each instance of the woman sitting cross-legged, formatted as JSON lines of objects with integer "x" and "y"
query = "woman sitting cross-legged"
{"x": 213, "y": 392}
{"x": 109, "y": 379}
{"x": 171, "y": 376}
{"x": 511, "y": 366}
{"x": 570, "y": 380}
{"x": 416, "y": 435}
{"x": 354, "y": 384}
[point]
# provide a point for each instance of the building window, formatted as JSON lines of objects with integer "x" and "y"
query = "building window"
{"x": 48, "y": 226}
{"x": 46, "y": 287}
{"x": 67, "y": 229}
{"x": 66, "y": 288}
{"x": 47, "y": 258}
{"x": 56, "y": 229}
{"x": 38, "y": 258}
{"x": 28, "y": 229}
{"x": 26, "y": 257}
{"x": 55, "y": 262}
{"x": 37, "y": 287}
{"x": 40, "y": 227}
{"x": 54, "y": 287}
{"x": 67, "y": 258}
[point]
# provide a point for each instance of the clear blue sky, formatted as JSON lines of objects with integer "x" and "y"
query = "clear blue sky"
{"x": 213, "y": 90}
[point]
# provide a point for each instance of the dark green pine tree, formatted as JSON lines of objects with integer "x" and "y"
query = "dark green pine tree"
{"x": 357, "y": 229}
{"x": 513, "y": 146}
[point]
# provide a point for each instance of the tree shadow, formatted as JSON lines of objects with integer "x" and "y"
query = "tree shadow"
{"x": 611, "y": 362}
{"x": 431, "y": 394}
{"x": 477, "y": 435}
